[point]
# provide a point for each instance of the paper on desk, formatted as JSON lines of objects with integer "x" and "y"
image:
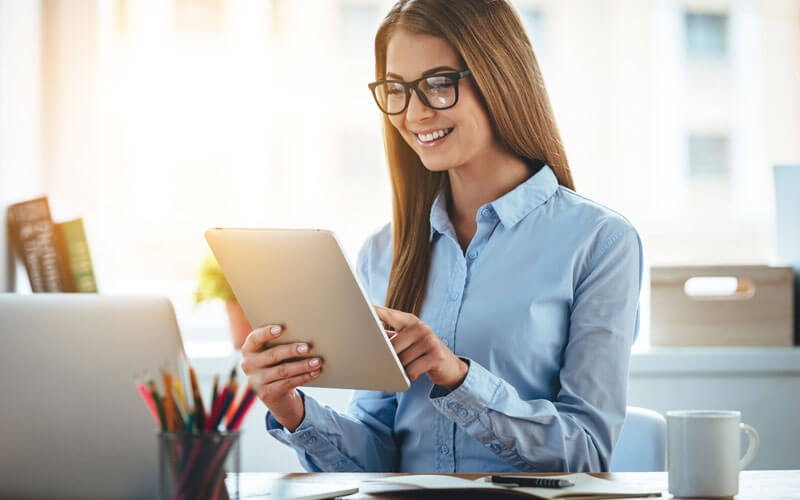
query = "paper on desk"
{"x": 586, "y": 487}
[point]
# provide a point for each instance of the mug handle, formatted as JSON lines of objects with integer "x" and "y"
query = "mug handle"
{"x": 752, "y": 445}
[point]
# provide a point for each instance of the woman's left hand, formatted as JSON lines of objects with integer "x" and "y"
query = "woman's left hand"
{"x": 422, "y": 351}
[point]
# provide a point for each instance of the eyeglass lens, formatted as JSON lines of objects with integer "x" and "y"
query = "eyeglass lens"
{"x": 439, "y": 92}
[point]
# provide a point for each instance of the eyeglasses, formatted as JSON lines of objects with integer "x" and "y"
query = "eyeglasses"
{"x": 439, "y": 91}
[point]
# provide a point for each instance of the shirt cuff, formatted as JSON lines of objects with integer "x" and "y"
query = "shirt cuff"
{"x": 307, "y": 438}
{"x": 468, "y": 406}
{"x": 274, "y": 425}
{"x": 469, "y": 401}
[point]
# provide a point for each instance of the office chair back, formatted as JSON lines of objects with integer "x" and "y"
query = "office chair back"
{"x": 642, "y": 443}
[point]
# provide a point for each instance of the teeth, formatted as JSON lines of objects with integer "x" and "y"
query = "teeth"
{"x": 434, "y": 135}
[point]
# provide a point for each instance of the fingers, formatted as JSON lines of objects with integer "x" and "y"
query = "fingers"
{"x": 275, "y": 390}
{"x": 394, "y": 318}
{"x": 284, "y": 371}
{"x": 413, "y": 352}
{"x": 273, "y": 356}
{"x": 410, "y": 335}
{"x": 258, "y": 337}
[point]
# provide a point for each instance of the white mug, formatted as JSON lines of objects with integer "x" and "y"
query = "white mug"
{"x": 703, "y": 450}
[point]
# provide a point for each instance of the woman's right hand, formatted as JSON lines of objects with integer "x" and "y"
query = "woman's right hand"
{"x": 273, "y": 378}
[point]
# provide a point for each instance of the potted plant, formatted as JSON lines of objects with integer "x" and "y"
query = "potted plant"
{"x": 212, "y": 285}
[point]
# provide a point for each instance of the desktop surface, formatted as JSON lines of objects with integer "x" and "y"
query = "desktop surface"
{"x": 753, "y": 485}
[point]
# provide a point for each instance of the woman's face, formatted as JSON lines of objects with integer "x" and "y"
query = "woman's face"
{"x": 410, "y": 56}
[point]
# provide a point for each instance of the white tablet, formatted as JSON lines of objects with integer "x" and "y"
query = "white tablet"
{"x": 301, "y": 279}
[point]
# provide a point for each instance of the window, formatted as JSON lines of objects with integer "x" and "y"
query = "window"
{"x": 706, "y": 36}
{"x": 171, "y": 117}
{"x": 357, "y": 25}
{"x": 708, "y": 157}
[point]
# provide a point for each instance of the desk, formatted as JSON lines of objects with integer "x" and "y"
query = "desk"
{"x": 753, "y": 485}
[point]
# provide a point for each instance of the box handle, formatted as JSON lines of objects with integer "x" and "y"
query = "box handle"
{"x": 719, "y": 288}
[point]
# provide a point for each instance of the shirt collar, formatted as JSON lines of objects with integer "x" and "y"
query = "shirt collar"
{"x": 511, "y": 208}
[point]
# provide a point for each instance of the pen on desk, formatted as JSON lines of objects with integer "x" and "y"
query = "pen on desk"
{"x": 532, "y": 482}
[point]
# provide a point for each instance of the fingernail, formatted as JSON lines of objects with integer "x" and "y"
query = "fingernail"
{"x": 275, "y": 330}
{"x": 314, "y": 362}
{"x": 302, "y": 348}
{"x": 315, "y": 373}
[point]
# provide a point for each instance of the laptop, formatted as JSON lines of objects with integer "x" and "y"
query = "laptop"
{"x": 72, "y": 424}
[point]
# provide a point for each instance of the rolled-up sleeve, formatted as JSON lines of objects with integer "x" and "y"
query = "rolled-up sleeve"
{"x": 577, "y": 430}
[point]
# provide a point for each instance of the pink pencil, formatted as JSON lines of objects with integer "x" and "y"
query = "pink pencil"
{"x": 148, "y": 400}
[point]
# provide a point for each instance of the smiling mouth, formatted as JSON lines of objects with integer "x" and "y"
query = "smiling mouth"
{"x": 433, "y": 136}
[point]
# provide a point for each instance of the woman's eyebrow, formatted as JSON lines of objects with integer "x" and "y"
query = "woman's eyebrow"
{"x": 431, "y": 71}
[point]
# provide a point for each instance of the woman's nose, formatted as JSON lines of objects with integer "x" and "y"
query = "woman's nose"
{"x": 417, "y": 110}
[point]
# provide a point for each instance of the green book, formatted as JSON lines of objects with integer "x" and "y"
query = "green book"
{"x": 80, "y": 262}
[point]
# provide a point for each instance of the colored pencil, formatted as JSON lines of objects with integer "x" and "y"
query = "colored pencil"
{"x": 236, "y": 405}
{"x": 160, "y": 407}
{"x": 215, "y": 389}
{"x": 241, "y": 411}
{"x": 169, "y": 403}
{"x": 222, "y": 402}
{"x": 226, "y": 403}
{"x": 200, "y": 411}
{"x": 148, "y": 401}
{"x": 215, "y": 410}
{"x": 237, "y": 400}
{"x": 180, "y": 396}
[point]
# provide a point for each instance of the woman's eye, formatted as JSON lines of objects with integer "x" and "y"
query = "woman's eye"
{"x": 394, "y": 91}
{"x": 439, "y": 83}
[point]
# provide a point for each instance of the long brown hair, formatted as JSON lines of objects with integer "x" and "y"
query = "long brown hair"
{"x": 491, "y": 40}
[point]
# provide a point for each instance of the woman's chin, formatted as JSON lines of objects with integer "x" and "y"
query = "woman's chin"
{"x": 437, "y": 164}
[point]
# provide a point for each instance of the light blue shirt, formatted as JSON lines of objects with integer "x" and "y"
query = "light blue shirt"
{"x": 543, "y": 305}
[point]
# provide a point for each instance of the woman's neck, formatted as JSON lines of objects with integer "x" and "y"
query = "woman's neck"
{"x": 474, "y": 185}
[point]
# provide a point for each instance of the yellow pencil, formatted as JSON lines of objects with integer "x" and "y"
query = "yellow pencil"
{"x": 177, "y": 386}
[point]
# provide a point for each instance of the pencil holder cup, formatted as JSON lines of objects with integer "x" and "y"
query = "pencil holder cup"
{"x": 192, "y": 465}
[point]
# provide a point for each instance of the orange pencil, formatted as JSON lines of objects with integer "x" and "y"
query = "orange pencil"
{"x": 234, "y": 403}
{"x": 200, "y": 411}
{"x": 169, "y": 403}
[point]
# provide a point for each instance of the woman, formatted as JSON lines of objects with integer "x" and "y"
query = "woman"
{"x": 514, "y": 300}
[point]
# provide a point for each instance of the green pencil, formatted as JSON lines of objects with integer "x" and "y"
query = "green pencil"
{"x": 161, "y": 415}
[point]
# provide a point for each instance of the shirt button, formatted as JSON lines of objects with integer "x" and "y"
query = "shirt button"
{"x": 454, "y": 296}
{"x": 472, "y": 254}
{"x": 443, "y": 449}
{"x": 462, "y": 413}
{"x": 486, "y": 212}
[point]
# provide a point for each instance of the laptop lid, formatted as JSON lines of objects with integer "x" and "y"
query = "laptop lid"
{"x": 73, "y": 424}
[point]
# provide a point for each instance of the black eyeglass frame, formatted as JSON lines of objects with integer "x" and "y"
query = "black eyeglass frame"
{"x": 409, "y": 86}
